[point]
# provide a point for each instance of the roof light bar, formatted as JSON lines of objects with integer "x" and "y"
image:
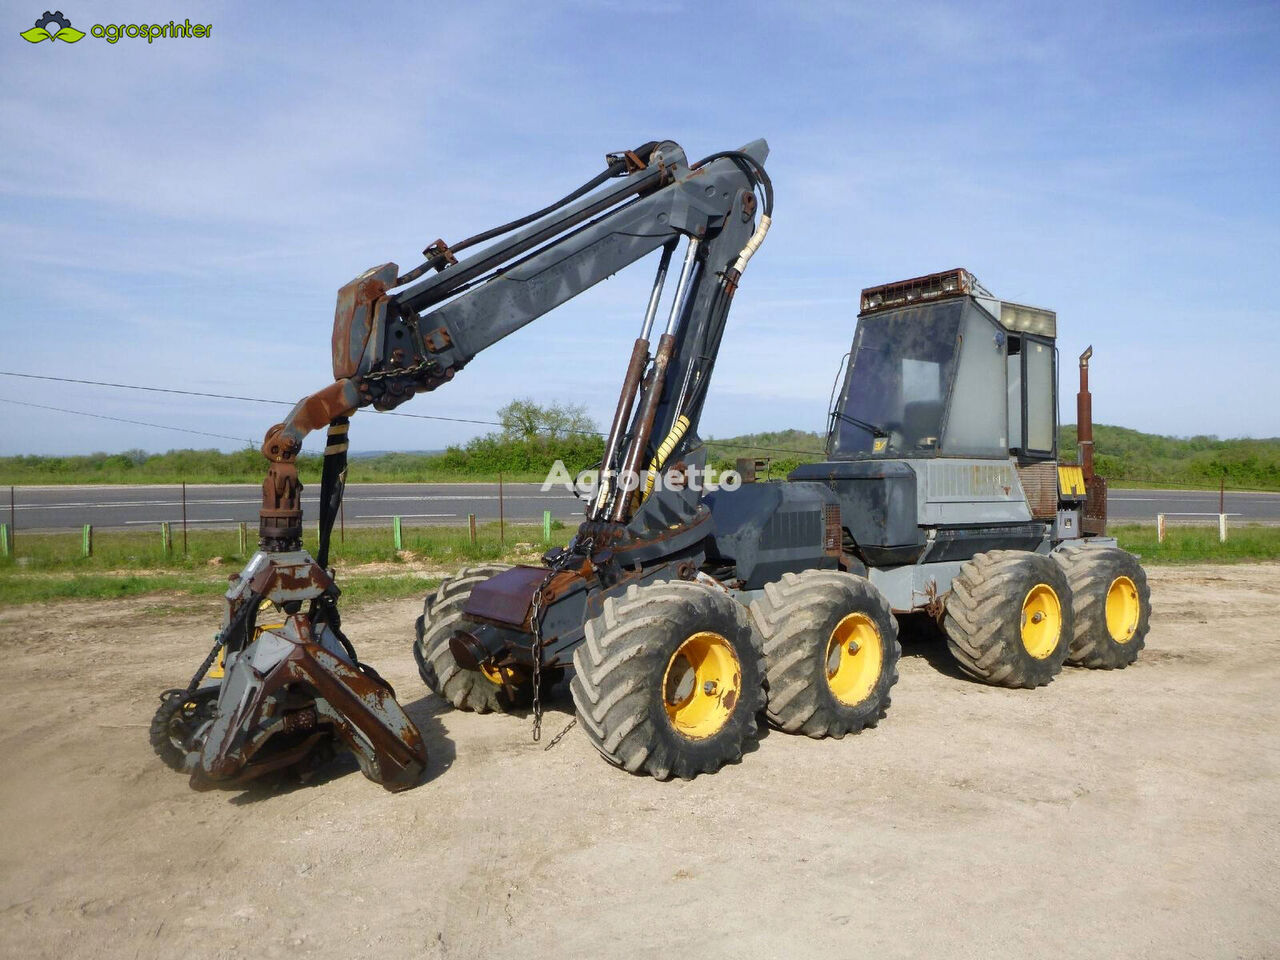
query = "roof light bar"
{"x": 934, "y": 286}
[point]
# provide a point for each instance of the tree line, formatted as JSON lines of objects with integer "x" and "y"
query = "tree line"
{"x": 532, "y": 436}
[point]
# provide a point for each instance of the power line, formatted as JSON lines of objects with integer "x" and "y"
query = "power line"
{"x": 287, "y": 403}
{"x": 139, "y": 423}
{"x": 135, "y": 386}
{"x": 221, "y": 396}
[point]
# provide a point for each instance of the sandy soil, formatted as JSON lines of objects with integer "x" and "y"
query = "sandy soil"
{"x": 1124, "y": 814}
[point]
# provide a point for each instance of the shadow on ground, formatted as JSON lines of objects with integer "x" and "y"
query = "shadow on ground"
{"x": 921, "y": 637}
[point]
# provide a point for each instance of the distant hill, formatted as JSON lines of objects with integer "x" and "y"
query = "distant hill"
{"x": 787, "y": 449}
{"x": 1120, "y": 454}
{"x": 1124, "y": 454}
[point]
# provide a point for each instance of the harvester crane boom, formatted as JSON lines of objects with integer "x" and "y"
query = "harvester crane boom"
{"x": 397, "y": 335}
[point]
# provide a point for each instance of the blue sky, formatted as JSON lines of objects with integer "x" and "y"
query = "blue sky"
{"x": 183, "y": 213}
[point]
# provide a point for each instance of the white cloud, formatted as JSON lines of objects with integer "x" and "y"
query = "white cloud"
{"x": 184, "y": 213}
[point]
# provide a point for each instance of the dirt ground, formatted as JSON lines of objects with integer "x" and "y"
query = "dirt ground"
{"x": 1127, "y": 814}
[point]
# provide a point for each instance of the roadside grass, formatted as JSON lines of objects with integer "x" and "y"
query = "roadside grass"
{"x": 1199, "y": 543}
{"x": 185, "y": 592}
{"x": 137, "y": 550}
{"x": 131, "y": 564}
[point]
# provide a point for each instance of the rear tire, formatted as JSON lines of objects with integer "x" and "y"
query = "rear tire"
{"x": 1112, "y": 606}
{"x": 817, "y": 684}
{"x": 1008, "y": 618}
{"x": 669, "y": 680}
{"x": 442, "y": 614}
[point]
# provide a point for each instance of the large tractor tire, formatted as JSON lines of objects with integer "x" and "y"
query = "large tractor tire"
{"x": 669, "y": 680}
{"x": 1112, "y": 606}
{"x": 1009, "y": 618}
{"x": 475, "y": 690}
{"x": 830, "y": 652}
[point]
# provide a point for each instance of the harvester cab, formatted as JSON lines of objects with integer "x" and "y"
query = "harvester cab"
{"x": 940, "y": 367}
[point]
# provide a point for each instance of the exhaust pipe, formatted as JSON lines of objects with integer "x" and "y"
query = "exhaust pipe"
{"x": 1084, "y": 417}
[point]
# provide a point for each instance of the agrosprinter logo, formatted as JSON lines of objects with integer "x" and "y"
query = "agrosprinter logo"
{"x": 52, "y": 26}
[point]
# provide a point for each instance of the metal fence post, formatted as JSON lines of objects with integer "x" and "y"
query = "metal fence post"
{"x": 1159, "y": 528}
{"x": 86, "y": 541}
{"x": 395, "y": 533}
{"x": 471, "y": 525}
{"x": 13, "y": 523}
{"x": 184, "y": 518}
{"x": 546, "y": 526}
{"x": 502, "y": 519}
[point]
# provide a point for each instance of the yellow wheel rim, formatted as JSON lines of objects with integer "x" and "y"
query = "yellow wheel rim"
{"x": 701, "y": 685}
{"x": 1123, "y": 609}
{"x": 855, "y": 656}
{"x": 492, "y": 674}
{"x": 1041, "y": 621}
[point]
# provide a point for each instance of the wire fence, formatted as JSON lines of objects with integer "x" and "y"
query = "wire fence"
{"x": 171, "y": 515}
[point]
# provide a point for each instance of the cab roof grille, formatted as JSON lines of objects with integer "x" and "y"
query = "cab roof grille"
{"x": 934, "y": 286}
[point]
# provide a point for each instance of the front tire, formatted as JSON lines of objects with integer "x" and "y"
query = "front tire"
{"x": 669, "y": 680}
{"x": 1112, "y": 605}
{"x": 830, "y": 650}
{"x": 472, "y": 690}
{"x": 1008, "y": 618}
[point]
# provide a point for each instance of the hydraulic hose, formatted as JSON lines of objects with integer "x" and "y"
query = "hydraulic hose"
{"x": 616, "y": 168}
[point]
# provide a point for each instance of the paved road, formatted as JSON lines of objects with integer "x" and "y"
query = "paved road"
{"x": 365, "y": 504}
{"x": 1143, "y": 505}
{"x": 125, "y": 507}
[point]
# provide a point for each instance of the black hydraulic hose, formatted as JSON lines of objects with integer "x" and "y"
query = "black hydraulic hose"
{"x": 616, "y": 168}
{"x": 758, "y": 173}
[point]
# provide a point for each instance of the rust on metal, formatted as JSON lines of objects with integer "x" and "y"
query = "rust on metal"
{"x": 1040, "y": 484}
{"x": 629, "y": 157}
{"x": 506, "y": 597}
{"x": 935, "y": 603}
{"x": 440, "y": 255}
{"x": 285, "y": 583}
{"x": 280, "y": 517}
{"x": 832, "y": 530}
{"x": 437, "y": 340}
{"x": 933, "y": 286}
{"x": 1094, "y": 522}
{"x": 1084, "y": 417}
{"x": 347, "y": 703}
{"x": 644, "y": 422}
{"x": 352, "y": 317}
{"x": 622, "y": 414}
